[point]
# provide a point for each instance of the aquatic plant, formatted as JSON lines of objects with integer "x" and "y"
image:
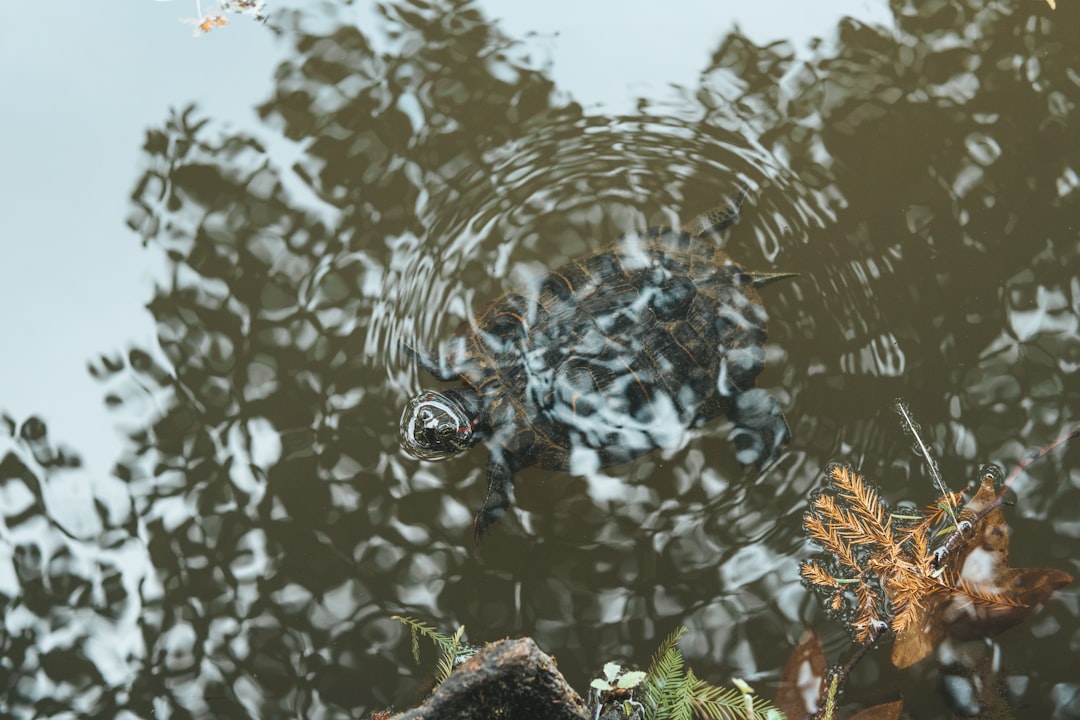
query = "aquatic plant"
{"x": 880, "y": 574}
{"x": 672, "y": 691}
{"x": 452, "y": 652}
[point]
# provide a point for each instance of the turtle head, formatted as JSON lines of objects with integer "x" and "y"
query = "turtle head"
{"x": 437, "y": 425}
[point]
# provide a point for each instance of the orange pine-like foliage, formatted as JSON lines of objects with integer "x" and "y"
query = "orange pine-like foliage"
{"x": 884, "y": 562}
{"x": 885, "y": 569}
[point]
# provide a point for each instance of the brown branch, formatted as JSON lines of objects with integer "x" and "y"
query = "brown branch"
{"x": 876, "y": 632}
{"x": 510, "y": 678}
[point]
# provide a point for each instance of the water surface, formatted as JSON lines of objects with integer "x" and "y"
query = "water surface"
{"x": 264, "y": 524}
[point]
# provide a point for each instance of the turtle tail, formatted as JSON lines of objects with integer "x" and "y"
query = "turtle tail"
{"x": 759, "y": 279}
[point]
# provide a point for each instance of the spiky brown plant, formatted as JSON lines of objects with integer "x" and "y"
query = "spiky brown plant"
{"x": 883, "y": 569}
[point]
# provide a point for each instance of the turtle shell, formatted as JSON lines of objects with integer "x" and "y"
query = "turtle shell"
{"x": 604, "y": 359}
{"x": 614, "y": 354}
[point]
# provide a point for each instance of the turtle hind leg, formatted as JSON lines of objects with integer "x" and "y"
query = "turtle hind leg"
{"x": 760, "y": 428}
{"x": 718, "y": 218}
{"x": 500, "y": 494}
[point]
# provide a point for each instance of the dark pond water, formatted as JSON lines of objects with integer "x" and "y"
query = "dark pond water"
{"x": 919, "y": 179}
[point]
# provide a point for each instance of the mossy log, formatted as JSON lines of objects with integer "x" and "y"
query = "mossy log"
{"x": 507, "y": 679}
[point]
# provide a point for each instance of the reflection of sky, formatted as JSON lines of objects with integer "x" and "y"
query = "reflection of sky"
{"x": 82, "y": 82}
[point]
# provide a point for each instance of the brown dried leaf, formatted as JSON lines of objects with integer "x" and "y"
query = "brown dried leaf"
{"x": 802, "y": 683}
{"x": 1021, "y": 591}
{"x": 917, "y": 639}
{"x": 982, "y": 562}
{"x": 887, "y": 711}
{"x": 986, "y": 597}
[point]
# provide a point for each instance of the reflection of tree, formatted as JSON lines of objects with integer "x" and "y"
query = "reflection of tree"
{"x": 948, "y": 143}
{"x": 70, "y": 566}
{"x": 267, "y": 474}
{"x": 955, "y": 130}
{"x": 281, "y": 521}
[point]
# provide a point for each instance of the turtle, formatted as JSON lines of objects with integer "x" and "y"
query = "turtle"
{"x": 604, "y": 359}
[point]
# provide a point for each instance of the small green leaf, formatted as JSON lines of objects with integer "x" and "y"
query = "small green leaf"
{"x": 631, "y": 679}
{"x": 601, "y": 684}
{"x": 611, "y": 670}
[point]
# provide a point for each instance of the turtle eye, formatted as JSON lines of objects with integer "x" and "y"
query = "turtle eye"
{"x": 446, "y": 432}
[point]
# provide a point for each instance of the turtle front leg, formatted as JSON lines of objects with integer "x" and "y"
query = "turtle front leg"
{"x": 760, "y": 428}
{"x": 447, "y": 364}
{"x": 500, "y": 494}
{"x": 434, "y": 364}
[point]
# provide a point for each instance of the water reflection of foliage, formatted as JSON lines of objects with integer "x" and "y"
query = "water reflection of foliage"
{"x": 978, "y": 99}
{"x": 281, "y": 521}
{"x": 279, "y": 447}
{"x": 71, "y": 578}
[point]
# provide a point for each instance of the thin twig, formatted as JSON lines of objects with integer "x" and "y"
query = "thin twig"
{"x": 911, "y": 428}
{"x": 1022, "y": 465}
{"x": 876, "y": 631}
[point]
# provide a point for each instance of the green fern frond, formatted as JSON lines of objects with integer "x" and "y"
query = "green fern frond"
{"x": 447, "y": 655}
{"x": 674, "y": 693}
{"x": 663, "y": 652}
{"x": 451, "y": 649}
{"x": 664, "y": 677}
{"x": 719, "y": 703}
{"x": 417, "y": 628}
{"x": 682, "y": 700}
